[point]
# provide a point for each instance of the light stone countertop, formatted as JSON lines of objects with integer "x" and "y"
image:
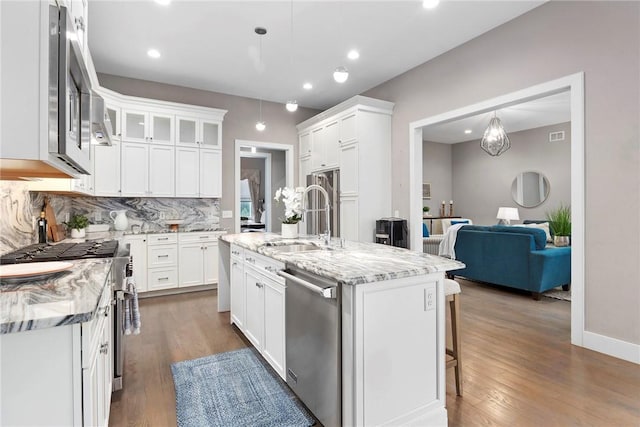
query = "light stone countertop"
{"x": 356, "y": 263}
{"x": 65, "y": 298}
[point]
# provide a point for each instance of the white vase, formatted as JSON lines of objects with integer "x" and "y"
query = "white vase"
{"x": 77, "y": 233}
{"x": 289, "y": 231}
{"x": 119, "y": 218}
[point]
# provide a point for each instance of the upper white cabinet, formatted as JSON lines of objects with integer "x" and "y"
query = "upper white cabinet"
{"x": 149, "y": 127}
{"x": 191, "y": 132}
{"x": 160, "y": 149}
{"x": 354, "y": 136}
{"x": 78, "y": 11}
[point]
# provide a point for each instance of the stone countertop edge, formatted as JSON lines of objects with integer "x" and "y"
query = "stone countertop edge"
{"x": 357, "y": 263}
{"x": 62, "y": 299}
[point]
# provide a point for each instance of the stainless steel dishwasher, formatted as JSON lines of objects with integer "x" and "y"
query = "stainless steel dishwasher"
{"x": 313, "y": 338}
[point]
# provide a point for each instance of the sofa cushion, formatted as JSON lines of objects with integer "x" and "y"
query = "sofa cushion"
{"x": 541, "y": 225}
{"x": 539, "y": 236}
{"x": 463, "y": 221}
{"x": 425, "y": 230}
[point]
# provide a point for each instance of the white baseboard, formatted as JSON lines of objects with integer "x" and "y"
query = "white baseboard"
{"x": 611, "y": 346}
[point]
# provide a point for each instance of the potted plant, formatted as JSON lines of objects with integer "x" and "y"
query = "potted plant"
{"x": 292, "y": 200}
{"x": 425, "y": 210}
{"x": 77, "y": 224}
{"x": 560, "y": 224}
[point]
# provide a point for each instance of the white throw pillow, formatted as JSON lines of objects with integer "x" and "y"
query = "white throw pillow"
{"x": 542, "y": 226}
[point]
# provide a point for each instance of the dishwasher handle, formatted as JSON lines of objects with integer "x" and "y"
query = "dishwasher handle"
{"x": 328, "y": 292}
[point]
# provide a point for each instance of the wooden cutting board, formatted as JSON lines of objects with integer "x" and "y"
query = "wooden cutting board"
{"x": 55, "y": 232}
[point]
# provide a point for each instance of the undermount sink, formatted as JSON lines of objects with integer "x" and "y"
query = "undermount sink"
{"x": 299, "y": 247}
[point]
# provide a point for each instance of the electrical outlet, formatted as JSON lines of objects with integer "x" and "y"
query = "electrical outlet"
{"x": 227, "y": 214}
{"x": 429, "y": 299}
{"x": 98, "y": 216}
{"x": 161, "y": 215}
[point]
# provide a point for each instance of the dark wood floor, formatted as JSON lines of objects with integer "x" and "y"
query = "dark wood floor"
{"x": 519, "y": 366}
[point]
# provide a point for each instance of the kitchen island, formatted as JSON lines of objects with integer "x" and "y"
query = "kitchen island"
{"x": 390, "y": 352}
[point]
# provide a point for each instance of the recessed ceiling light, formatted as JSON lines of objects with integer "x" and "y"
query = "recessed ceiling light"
{"x": 467, "y": 131}
{"x": 353, "y": 54}
{"x": 163, "y": 2}
{"x": 307, "y": 86}
{"x": 430, "y": 4}
{"x": 153, "y": 53}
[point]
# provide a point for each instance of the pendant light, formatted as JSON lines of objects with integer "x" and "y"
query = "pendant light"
{"x": 495, "y": 140}
{"x": 292, "y": 105}
{"x": 260, "y": 125}
{"x": 341, "y": 74}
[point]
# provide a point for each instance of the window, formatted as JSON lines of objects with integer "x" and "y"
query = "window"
{"x": 246, "y": 208}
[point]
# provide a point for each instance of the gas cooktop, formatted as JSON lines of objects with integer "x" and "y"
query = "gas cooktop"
{"x": 42, "y": 252}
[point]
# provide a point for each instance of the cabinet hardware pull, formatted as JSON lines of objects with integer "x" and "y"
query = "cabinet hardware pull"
{"x": 204, "y": 237}
{"x": 163, "y": 256}
{"x": 104, "y": 348}
{"x": 258, "y": 284}
{"x": 163, "y": 238}
{"x": 163, "y": 278}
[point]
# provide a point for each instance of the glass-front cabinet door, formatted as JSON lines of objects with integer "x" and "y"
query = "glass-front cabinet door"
{"x": 161, "y": 129}
{"x": 113, "y": 112}
{"x": 209, "y": 134}
{"x": 186, "y": 131}
{"x": 135, "y": 125}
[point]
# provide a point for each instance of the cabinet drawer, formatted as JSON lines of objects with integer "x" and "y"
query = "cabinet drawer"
{"x": 237, "y": 252}
{"x": 162, "y": 239}
{"x": 268, "y": 267}
{"x": 92, "y": 330}
{"x": 162, "y": 256}
{"x": 197, "y": 237}
{"x": 163, "y": 278}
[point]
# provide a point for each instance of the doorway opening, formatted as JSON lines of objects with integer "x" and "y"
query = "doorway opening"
{"x": 574, "y": 84}
{"x": 260, "y": 169}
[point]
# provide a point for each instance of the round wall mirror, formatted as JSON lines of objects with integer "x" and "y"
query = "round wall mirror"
{"x": 530, "y": 189}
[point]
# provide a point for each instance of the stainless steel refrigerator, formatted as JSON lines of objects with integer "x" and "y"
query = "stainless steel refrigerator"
{"x": 315, "y": 218}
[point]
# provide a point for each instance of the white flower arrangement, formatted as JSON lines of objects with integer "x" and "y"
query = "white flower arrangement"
{"x": 292, "y": 200}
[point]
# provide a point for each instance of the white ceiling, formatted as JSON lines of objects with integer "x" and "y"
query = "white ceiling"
{"x": 211, "y": 45}
{"x": 546, "y": 111}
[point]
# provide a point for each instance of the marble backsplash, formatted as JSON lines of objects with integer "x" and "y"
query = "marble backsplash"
{"x": 20, "y": 208}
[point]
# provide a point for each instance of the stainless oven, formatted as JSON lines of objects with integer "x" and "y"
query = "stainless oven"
{"x": 69, "y": 94}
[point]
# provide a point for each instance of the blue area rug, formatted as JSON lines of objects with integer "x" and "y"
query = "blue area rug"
{"x": 234, "y": 389}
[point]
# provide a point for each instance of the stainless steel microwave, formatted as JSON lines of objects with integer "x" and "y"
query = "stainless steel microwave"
{"x": 69, "y": 94}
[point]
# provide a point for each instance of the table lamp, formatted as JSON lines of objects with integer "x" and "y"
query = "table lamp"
{"x": 505, "y": 215}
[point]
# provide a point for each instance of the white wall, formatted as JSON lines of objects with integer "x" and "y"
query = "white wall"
{"x": 482, "y": 183}
{"x": 557, "y": 39}
{"x": 437, "y": 170}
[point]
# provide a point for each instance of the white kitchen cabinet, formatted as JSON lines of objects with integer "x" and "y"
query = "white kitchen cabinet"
{"x": 134, "y": 166}
{"x": 237, "y": 291}
{"x": 147, "y": 170}
{"x": 78, "y": 12}
{"x": 138, "y": 251}
{"x": 305, "y": 144}
{"x": 106, "y": 170}
{"x": 198, "y": 132}
{"x": 162, "y": 261}
{"x": 210, "y": 173}
{"x": 198, "y": 172}
{"x": 198, "y": 259}
{"x": 258, "y": 304}
{"x": 161, "y": 171}
{"x": 254, "y": 299}
{"x": 187, "y": 172}
{"x": 147, "y": 127}
{"x": 359, "y": 131}
{"x": 113, "y": 112}
{"x": 60, "y": 375}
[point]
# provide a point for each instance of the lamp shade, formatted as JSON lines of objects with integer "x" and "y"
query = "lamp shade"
{"x": 508, "y": 213}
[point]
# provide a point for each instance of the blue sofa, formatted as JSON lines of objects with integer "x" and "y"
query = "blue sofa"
{"x": 512, "y": 256}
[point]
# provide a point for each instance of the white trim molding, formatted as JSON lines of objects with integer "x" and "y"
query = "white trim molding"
{"x": 612, "y": 347}
{"x": 573, "y": 83}
{"x": 289, "y": 182}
